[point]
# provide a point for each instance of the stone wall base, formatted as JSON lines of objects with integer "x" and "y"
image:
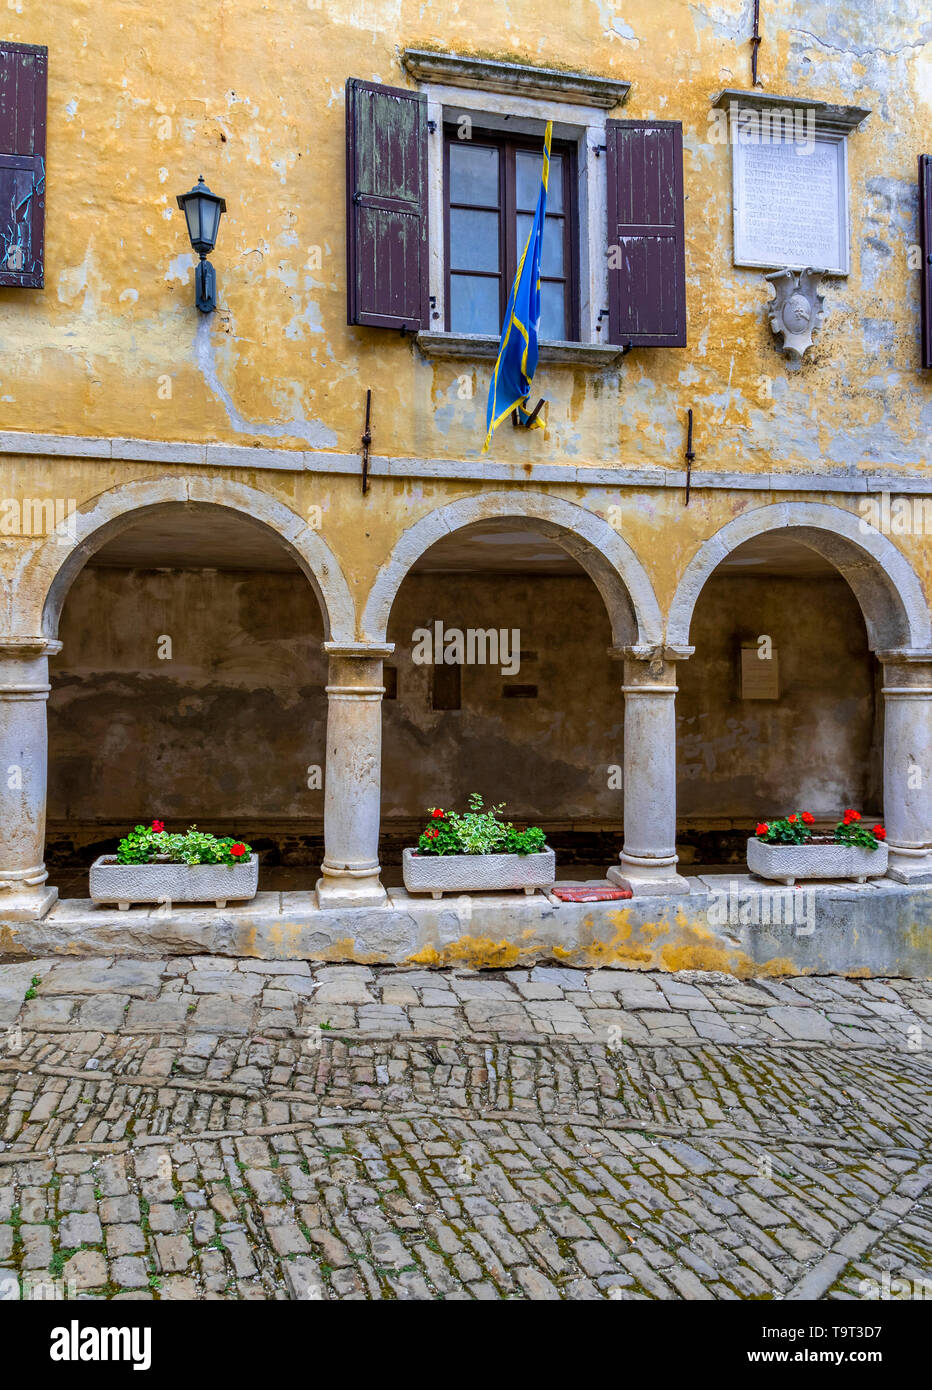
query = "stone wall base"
{"x": 732, "y": 924}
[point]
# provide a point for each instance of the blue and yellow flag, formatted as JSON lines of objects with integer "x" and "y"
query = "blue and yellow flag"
{"x": 517, "y": 349}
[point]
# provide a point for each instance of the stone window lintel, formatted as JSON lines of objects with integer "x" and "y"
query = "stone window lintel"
{"x": 515, "y": 79}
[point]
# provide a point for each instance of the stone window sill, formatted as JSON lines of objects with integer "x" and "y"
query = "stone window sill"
{"x": 484, "y": 346}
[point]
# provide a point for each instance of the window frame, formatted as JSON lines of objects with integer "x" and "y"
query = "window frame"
{"x": 509, "y": 144}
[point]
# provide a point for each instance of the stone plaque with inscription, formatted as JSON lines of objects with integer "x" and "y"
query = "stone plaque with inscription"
{"x": 791, "y": 204}
{"x": 760, "y": 676}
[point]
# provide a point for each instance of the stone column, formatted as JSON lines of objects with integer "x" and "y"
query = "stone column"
{"x": 648, "y": 860}
{"x": 907, "y": 764}
{"x": 353, "y": 777}
{"x": 24, "y": 690}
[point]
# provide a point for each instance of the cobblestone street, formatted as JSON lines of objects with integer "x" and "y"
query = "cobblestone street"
{"x": 206, "y": 1128}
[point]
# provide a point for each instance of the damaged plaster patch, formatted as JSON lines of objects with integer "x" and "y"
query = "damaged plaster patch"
{"x": 313, "y": 432}
{"x": 615, "y": 28}
{"x": 722, "y": 21}
{"x": 180, "y": 267}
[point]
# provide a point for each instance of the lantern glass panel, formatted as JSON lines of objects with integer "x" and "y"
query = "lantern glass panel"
{"x": 193, "y": 215}
{"x": 210, "y": 220}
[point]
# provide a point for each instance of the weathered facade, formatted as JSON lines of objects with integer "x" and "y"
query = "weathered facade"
{"x": 207, "y": 581}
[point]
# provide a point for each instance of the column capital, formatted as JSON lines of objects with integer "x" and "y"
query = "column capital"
{"x": 24, "y": 671}
{"x": 29, "y": 647}
{"x": 906, "y": 655}
{"x": 361, "y": 651}
{"x": 907, "y": 673}
{"x": 652, "y": 655}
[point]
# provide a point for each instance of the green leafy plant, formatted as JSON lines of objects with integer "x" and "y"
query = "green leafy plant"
{"x": 532, "y": 840}
{"x": 850, "y": 831}
{"x": 480, "y": 830}
{"x": 146, "y": 844}
{"x": 796, "y": 830}
{"x": 791, "y": 830}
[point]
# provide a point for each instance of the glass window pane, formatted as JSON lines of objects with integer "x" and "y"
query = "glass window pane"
{"x": 551, "y": 256}
{"x": 552, "y": 312}
{"x": 527, "y": 180}
{"x": 474, "y": 305}
{"x": 525, "y": 221}
{"x": 473, "y": 173}
{"x": 473, "y": 240}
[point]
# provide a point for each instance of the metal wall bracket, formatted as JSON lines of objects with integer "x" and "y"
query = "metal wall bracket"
{"x": 366, "y": 441}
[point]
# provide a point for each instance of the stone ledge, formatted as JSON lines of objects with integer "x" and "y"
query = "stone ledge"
{"x": 880, "y": 928}
{"x": 515, "y": 79}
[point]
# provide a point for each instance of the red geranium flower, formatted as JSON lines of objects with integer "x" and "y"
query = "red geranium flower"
{"x": 880, "y": 832}
{"x": 237, "y": 851}
{"x": 158, "y": 826}
{"x": 762, "y": 829}
{"x": 437, "y": 813}
{"x": 851, "y": 815}
{"x": 792, "y": 819}
{"x": 808, "y": 818}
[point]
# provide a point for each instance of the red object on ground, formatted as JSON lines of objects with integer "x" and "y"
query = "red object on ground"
{"x": 592, "y": 894}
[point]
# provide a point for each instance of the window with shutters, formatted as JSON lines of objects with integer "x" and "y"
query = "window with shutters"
{"x": 491, "y": 186}
{"x": 442, "y": 185}
{"x": 22, "y": 164}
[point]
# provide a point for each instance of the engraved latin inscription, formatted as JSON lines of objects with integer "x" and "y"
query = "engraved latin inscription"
{"x": 788, "y": 205}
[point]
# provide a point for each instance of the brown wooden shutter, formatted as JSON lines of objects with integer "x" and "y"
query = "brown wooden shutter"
{"x": 646, "y": 241}
{"x": 386, "y": 213}
{"x": 925, "y": 244}
{"x": 23, "y": 68}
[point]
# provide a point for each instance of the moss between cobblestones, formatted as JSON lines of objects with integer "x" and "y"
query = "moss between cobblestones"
{"x": 57, "y": 1262}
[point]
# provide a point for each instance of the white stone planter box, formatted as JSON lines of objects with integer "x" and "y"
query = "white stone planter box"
{"x": 787, "y": 863}
{"x": 176, "y": 883}
{"x": 476, "y": 873}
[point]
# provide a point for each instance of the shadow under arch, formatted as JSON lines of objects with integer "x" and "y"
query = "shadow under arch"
{"x": 46, "y": 579}
{"x": 884, "y": 583}
{"x": 606, "y": 557}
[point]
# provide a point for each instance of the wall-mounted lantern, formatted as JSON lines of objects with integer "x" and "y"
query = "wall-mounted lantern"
{"x": 202, "y": 210}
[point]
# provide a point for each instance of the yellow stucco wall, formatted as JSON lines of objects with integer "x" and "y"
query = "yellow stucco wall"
{"x": 142, "y": 98}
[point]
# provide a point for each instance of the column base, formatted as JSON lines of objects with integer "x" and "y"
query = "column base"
{"x": 646, "y": 878}
{"x": 333, "y": 891}
{"x": 911, "y": 868}
{"x": 27, "y": 905}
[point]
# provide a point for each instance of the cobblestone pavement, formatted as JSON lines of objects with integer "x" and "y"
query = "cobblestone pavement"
{"x": 210, "y": 1128}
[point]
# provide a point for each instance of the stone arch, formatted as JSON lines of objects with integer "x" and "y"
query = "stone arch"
{"x": 46, "y": 579}
{"x": 606, "y": 557}
{"x": 884, "y": 583}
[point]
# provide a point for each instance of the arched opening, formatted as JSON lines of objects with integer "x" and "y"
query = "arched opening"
{"x": 780, "y": 708}
{"x": 501, "y": 683}
{"x": 189, "y": 687}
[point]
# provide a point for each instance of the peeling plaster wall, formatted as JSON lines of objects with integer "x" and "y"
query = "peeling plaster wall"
{"x": 227, "y": 728}
{"x": 142, "y": 98}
